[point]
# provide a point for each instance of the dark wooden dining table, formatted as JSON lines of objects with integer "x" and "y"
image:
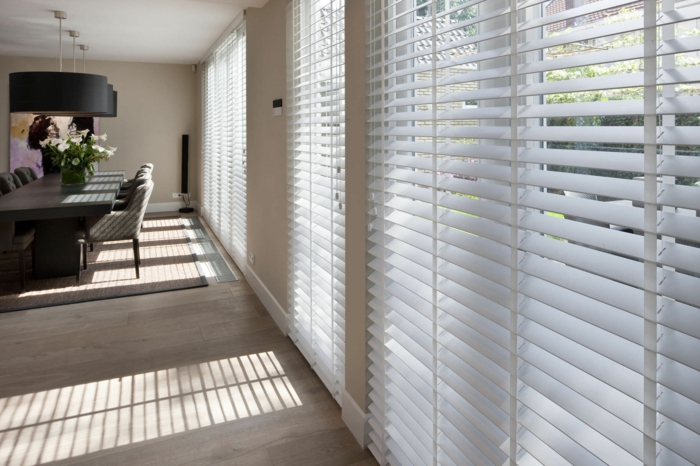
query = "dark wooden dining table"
{"x": 56, "y": 212}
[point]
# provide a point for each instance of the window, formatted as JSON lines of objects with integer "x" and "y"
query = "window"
{"x": 316, "y": 151}
{"x": 224, "y": 144}
{"x": 534, "y": 231}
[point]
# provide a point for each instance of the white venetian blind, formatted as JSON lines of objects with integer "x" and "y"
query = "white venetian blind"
{"x": 534, "y": 231}
{"x": 224, "y": 143}
{"x": 316, "y": 162}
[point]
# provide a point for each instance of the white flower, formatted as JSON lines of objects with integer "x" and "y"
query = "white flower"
{"x": 76, "y": 140}
{"x": 93, "y": 137}
{"x": 112, "y": 149}
{"x": 104, "y": 137}
{"x": 83, "y": 132}
{"x": 44, "y": 142}
{"x": 63, "y": 146}
{"x": 99, "y": 149}
{"x": 56, "y": 141}
{"x": 76, "y": 161}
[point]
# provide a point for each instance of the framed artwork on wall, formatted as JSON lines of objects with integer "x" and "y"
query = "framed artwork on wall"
{"x": 28, "y": 130}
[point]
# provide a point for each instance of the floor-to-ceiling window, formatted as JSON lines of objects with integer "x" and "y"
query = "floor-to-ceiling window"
{"x": 534, "y": 231}
{"x": 316, "y": 163}
{"x": 224, "y": 143}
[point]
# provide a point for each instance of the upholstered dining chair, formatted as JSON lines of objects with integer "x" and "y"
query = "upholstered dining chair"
{"x": 26, "y": 175}
{"x": 9, "y": 182}
{"x": 124, "y": 195}
{"x": 146, "y": 168}
{"x": 127, "y": 184}
{"x": 123, "y": 198}
{"x": 116, "y": 226}
{"x": 17, "y": 240}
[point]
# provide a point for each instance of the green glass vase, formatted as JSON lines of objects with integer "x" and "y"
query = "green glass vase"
{"x": 71, "y": 177}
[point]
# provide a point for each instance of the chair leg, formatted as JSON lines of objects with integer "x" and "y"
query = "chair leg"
{"x": 137, "y": 258}
{"x": 84, "y": 256}
{"x": 22, "y": 277}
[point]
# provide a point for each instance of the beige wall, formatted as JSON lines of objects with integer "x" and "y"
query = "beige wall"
{"x": 267, "y": 158}
{"x": 157, "y": 105}
{"x": 355, "y": 227}
{"x": 267, "y": 171}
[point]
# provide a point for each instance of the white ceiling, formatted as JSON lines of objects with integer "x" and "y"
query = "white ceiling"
{"x": 159, "y": 31}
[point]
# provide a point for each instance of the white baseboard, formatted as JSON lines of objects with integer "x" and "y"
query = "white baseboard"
{"x": 169, "y": 206}
{"x": 356, "y": 420}
{"x": 240, "y": 263}
{"x": 271, "y": 304}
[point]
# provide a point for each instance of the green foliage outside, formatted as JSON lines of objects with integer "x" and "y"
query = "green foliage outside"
{"x": 635, "y": 93}
{"x": 456, "y": 17}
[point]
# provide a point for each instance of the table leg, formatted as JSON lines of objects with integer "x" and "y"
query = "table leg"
{"x": 54, "y": 248}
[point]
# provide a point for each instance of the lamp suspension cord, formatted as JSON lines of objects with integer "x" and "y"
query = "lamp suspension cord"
{"x": 60, "y": 44}
{"x": 74, "y": 35}
{"x": 60, "y": 15}
{"x": 84, "y": 48}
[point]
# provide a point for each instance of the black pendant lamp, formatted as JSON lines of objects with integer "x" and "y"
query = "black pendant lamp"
{"x": 111, "y": 93}
{"x": 61, "y": 94}
{"x": 112, "y": 107}
{"x": 58, "y": 94}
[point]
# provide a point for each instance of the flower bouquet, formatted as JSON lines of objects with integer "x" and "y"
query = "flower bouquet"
{"x": 77, "y": 154}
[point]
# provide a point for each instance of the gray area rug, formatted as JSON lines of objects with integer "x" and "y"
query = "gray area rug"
{"x": 168, "y": 262}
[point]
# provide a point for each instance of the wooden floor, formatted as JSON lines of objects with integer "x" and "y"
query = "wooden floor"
{"x": 195, "y": 377}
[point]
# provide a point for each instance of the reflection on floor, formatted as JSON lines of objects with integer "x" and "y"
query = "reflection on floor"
{"x": 211, "y": 261}
{"x": 73, "y": 421}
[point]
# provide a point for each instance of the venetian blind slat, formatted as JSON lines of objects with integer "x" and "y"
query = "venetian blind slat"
{"x": 224, "y": 143}
{"x": 315, "y": 147}
{"x": 534, "y": 215}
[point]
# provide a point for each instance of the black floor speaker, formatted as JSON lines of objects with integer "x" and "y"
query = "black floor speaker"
{"x": 185, "y": 174}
